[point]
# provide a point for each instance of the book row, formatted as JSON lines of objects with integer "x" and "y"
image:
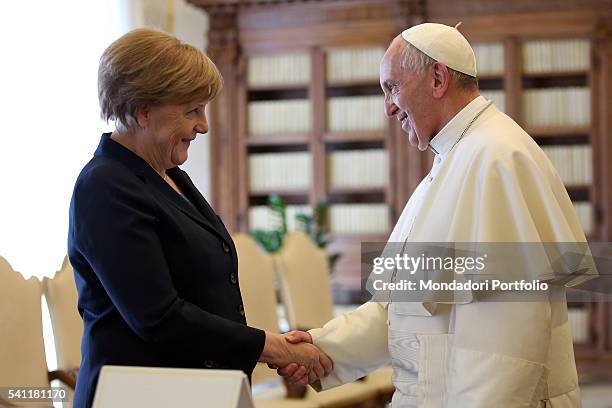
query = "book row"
{"x": 343, "y": 218}
{"x": 356, "y": 113}
{"x": 359, "y": 219}
{"x": 293, "y": 116}
{"x": 489, "y": 58}
{"x": 281, "y": 69}
{"x": 497, "y": 96}
{"x": 585, "y": 216}
{"x": 260, "y": 217}
{"x": 358, "y": 168}
{"x": 574, "y": 163}
{"x": 570, "y": 106}
{"x": 579, "y": 323}
{"x": 556, "y": 55}
{"x": 283, "y": 171}
{"x": 273, "y": 117}
{"x": 360, "y": 64}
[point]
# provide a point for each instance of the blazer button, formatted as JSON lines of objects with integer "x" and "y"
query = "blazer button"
{"x": 241, "y": 310}
{"x": 225, "y": 247}
{"x": 233, "y": 278}
{"x": 209, "y": 364}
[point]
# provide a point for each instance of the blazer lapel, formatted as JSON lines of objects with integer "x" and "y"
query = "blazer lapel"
{"x": 204, "y": 215}
{"x": 204, "y": 210}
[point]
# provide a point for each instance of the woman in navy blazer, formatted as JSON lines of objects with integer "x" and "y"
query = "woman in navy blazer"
{"x": 156, "y": 270}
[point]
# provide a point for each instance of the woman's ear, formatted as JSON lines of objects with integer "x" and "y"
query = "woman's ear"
{"x": 441, "y": 79}
{"x": 143, "y": 117}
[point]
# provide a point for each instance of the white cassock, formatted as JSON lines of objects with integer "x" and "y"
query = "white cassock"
{"x": 492, "y": 185}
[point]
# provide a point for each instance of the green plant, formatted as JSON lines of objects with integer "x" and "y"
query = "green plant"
{"x": 312, "y": 225}
{"x": 272, "y": 240}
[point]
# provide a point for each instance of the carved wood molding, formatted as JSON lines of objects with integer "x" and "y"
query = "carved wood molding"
{"x": 223, "y": 44}
{"x": 406, "y": 7}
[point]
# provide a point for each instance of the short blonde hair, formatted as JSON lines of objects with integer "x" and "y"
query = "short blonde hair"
{"x": 150, "y": 68}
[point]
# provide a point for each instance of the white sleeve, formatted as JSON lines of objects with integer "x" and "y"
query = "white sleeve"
{"x": 356, "y": 342}
{"x": 499, "y": 354}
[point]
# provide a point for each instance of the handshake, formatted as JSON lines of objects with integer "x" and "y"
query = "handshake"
{"x": 295, "y": 357}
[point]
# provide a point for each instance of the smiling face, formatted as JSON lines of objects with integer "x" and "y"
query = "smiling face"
{"x": 170, "y": 130}
{"x": 407, "y": 96}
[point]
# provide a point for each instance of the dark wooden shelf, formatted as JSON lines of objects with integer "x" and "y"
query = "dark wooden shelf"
{"x": 356, "y": 195}
{"x": 290, "y": 197}
{"x": 277, "y": 87}
{"x": 558, "y": 131}
{"x": 554, "y": 81}
{"x": 353, "y": 82}
{"x": 278, "y": 139}
{"x": 579, "y": 192}
{"x": 277, "y": 94}
{"x": 281, "y": 192}
{"x": 355, "y": 136}
{"x": 491, "y": 76}
{"x": 555, "y": 74}
{"x": 357, "y": 190}
{"x": 357, "y": 238}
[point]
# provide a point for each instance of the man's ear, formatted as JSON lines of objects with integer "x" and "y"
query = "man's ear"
{"x": 441, "y": 79}
{"x": 142, "y": 117}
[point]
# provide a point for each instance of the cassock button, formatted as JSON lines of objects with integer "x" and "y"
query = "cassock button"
{"x": 438, "y": 160}
{"x": 430, "y": 179}
{"x": 225, "y": 247}
{"x": 241, "y": 310}
{"x": 233, "y": 278}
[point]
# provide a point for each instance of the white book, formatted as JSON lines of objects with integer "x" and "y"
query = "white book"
{"x": 274, "y": 117}
{"x": 489, "y": 58}
{"x": 359, "y": 218}
{"x": 556, "y": 55}
{"x": 280, "y": 69}
{"x": 355, "y": 113}
{"x": 353, "y": 64}
{"x": 566, "y": 106}
{"x": 283, "y": 171}
{"x": 579, "y": 319}
{"x": 358, "y": 168}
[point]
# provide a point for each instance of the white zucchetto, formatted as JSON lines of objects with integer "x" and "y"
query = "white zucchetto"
{"x": 444, "y": 44}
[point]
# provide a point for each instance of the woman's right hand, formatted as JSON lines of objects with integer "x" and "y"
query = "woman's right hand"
{"x": 278, "y": 352}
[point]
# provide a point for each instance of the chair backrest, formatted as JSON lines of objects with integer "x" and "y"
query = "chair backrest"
{"x": 22, "y": 349}
{"x": 305, "y": 285}
{"x": 256, "y": 275}
{"x": 61, "y": 294}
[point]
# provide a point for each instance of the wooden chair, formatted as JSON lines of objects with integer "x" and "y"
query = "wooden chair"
{"x": 256, "y": 274}
{"x": 61, "y": 295}
{"x": 306, "y": 291}
{"x": 22, "y": 350}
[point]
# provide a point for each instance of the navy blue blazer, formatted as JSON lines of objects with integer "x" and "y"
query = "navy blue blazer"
{"x": 157, "y": 275}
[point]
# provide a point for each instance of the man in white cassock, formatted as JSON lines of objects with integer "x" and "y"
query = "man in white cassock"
{"x": 490, "y": 182}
